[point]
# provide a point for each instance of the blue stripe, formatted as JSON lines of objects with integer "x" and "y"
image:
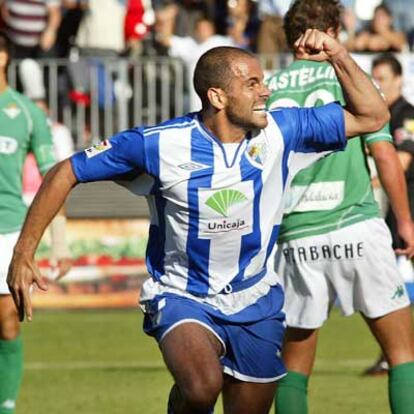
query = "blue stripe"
{"x": 198, "y": 250}
{"x": 288, "y": 141}
{"x": 156, "y": 243}
{"x": 250, "y": 243}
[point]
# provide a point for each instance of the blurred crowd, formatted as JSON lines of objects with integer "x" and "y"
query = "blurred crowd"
{"x": 50, "y": 28}
{"x": 86, "y": 32}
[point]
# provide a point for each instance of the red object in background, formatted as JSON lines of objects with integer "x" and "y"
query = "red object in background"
{"x": 79, "y": 98}
{"x": 134, "y": 27}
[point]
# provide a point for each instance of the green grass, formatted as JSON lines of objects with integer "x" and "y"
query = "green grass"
{"x": 89, "y": 362}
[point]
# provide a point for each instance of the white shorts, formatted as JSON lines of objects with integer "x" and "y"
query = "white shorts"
{"x": 7, "y": 242}
{"x": 355, "y": 265}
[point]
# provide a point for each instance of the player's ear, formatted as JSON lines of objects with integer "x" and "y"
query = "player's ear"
{"x": 217, "y": 98}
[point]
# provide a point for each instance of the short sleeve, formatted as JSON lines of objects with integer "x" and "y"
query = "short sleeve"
{"x": 122, "y": 154}
{"x": 312, "y": 129}
{"x": 41, "y": 140}
{"x": 382, "y": 135}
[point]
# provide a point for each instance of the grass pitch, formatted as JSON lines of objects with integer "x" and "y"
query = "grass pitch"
{"x": 90, "y": 362}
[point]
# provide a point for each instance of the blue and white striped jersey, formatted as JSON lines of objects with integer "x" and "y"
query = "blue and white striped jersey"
{"x": 215, "y": 211}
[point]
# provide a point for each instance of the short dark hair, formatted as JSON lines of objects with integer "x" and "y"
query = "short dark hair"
{"x": 213, "y": 69}
{"x": 390, "y": 60}
{"x": 311, "y": 14}
{"x": 384, "y": 8}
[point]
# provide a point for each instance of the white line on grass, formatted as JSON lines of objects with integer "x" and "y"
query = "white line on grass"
{"x": 75, "y": 365}
{"x": 79, "y": 365}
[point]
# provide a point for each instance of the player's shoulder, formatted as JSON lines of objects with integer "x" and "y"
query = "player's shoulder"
{"x": 170, "y": 127}
{"x": 25, "y": 103}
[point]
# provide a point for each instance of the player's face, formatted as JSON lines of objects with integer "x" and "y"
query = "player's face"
{"x": 389, "y": 83}
{"x": 247, "y": 95}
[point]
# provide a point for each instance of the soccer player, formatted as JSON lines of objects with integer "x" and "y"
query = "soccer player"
{"x": 332, "y": 243}
{"x": 215, "y": 183}
{"x": 23, "y": 128}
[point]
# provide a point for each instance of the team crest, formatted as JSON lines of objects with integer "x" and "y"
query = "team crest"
{"x": 98, "y": 148}
{"x": 12, "y": 110}
{"x": 257, "y": 153}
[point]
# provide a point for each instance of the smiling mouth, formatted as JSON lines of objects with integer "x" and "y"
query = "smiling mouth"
{"x": 261, "y": 109}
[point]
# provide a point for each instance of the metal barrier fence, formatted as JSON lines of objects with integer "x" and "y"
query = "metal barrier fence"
{"x": 117, "y": 93}
{"x": 97, "y": 97}
{"x": 114, "y": 94}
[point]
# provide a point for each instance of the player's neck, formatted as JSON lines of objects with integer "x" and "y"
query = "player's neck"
{"x": 392, "y": 98}
{"x": 220, "y": 126}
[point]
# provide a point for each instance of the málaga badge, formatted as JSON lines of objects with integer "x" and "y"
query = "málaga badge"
{"x": 257, "y": 153}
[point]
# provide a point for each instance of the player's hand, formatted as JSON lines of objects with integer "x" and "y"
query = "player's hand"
{"x": 23, "y": 273}
{"x": 317, "y": 46}
{"x": 62, "y": 267}
{"x": 406, "y": 232}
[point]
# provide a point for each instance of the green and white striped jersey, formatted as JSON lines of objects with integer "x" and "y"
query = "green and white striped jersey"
{"x": 23, "y": 129}
{"x": 335, "y": 191}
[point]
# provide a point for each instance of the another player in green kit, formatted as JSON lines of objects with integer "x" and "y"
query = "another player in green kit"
{"x": 332, "y": 243}
{"x": 23, "y": 129}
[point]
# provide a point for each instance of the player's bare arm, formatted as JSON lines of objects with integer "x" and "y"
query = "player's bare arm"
{"x": 366, "y": 111}
{"x": 23, "y": 271}
{"x": 391, "y": 175}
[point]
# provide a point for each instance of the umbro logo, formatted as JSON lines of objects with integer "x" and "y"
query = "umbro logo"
{"x": 193, "y": 166}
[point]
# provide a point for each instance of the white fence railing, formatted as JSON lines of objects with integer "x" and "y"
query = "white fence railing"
{"x": 113, "y": 94}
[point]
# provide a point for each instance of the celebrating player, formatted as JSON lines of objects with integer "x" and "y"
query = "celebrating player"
{"x": 332, "y": 242}
{"x": 215, "y": 183}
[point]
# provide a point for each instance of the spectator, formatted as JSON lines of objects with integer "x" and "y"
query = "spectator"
{"x": 190, "y": 48}
{"x": 32, "y": 26}
{"x": 238, "y": 18}
{"x": 139, "y": 16}
{"x": 380, "y": 36}
{"x": 101, "y": 31}
{"x": 403, "y": 12}
{"x": 271, "y": 37}
{"x": 189, "y": 12}
{"x": 73, "y": 12}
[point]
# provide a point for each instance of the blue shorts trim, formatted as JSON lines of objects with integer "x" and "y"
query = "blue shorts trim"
{"x": 252, "y": 338}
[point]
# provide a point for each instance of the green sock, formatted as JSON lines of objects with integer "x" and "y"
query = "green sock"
{"x": 401, "y": 388}
{"x": 11, "y": 372}
{"x": 292, "y": 394}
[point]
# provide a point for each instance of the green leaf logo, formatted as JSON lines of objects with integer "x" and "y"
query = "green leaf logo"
{"x": 224, "y": 199}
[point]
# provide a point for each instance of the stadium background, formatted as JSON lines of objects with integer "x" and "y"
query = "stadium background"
{"x": 85, "y": 350}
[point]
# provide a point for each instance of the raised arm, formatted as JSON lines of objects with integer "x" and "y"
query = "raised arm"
{"x": 23, "y": 271}
{"x": 365, "y": 109}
